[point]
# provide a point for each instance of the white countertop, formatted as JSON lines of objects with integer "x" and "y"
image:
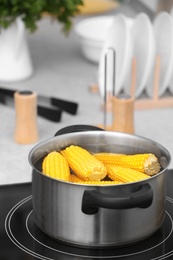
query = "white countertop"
{"x": 61, "y": 71}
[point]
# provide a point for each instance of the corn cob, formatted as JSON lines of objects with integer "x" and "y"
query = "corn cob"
{"x": 84, "y": 165}
{"x": 118, "y": 173}
{"x": 147, "y": 163}
{"x": 109, "y": 158}
{"x": 56, "y": 166}
{"x": 76, "y": 179}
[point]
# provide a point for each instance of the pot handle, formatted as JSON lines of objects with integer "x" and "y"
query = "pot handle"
{"x": 77, "y": 128}
{"x": 93, "y": 200}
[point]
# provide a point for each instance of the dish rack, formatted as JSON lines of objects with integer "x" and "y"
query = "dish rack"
{"x": 153, "y": 102}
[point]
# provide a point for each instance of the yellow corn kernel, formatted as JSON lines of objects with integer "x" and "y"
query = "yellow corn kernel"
{"x": 56, "y": 166}
{"x": 83, "y": 164}
{"x": 76, "y": 179}
{"x": 147, "y": 163}
{"x": 109, "y": 158}
{"x": 125, "y": 174}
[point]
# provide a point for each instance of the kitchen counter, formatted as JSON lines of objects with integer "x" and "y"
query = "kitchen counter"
{"x": 61, "y": 71}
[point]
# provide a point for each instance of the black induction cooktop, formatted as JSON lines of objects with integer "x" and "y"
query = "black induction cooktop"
{"x": 21, "y": 239}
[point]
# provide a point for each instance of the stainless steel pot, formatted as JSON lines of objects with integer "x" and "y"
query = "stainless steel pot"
{"x": 98, "y": 216}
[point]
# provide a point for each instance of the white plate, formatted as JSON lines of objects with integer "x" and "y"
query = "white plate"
{"x": 91, "y": 34}
{"x": 163, "y": 30}
{"x": 143, "y": 52}
{"x": 118, "y": 38}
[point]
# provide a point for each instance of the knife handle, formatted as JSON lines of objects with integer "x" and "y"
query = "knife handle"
{"x": 68, "y": 106}
{"x": 50, "y": 113}
{"x": 26, "y": 131}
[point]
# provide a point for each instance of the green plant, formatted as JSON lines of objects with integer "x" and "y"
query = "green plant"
{"x": 32, "y": 10}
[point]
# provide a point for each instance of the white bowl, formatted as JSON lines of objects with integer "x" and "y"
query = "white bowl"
{"x": 118, "y": 38}
{"x": 143, "y": 52}
{"x": 91, "y": 34}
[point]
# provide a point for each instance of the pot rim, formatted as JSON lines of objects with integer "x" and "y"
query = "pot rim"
{"x": 74, "y": 134}
{"x": 102, "y": 185}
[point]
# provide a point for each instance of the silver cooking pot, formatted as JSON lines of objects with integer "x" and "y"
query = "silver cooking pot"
{"x": 98, "y": 216}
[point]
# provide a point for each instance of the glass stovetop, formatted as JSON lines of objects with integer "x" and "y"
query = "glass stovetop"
{"x": 21, "y": 239}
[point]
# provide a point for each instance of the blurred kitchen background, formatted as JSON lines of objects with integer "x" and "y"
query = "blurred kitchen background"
{"x": 61, "y": 67}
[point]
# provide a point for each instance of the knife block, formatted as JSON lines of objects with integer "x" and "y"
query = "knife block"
{"x": 26, "y": 131}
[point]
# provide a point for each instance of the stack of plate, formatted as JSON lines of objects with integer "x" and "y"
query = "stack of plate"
{"x": 142, "y": 40}
{"x": 163, "y": 31}
{"x": 118, "y": 37}
{"x": 144, "y": 52}
{"x": 137, "y": 38}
